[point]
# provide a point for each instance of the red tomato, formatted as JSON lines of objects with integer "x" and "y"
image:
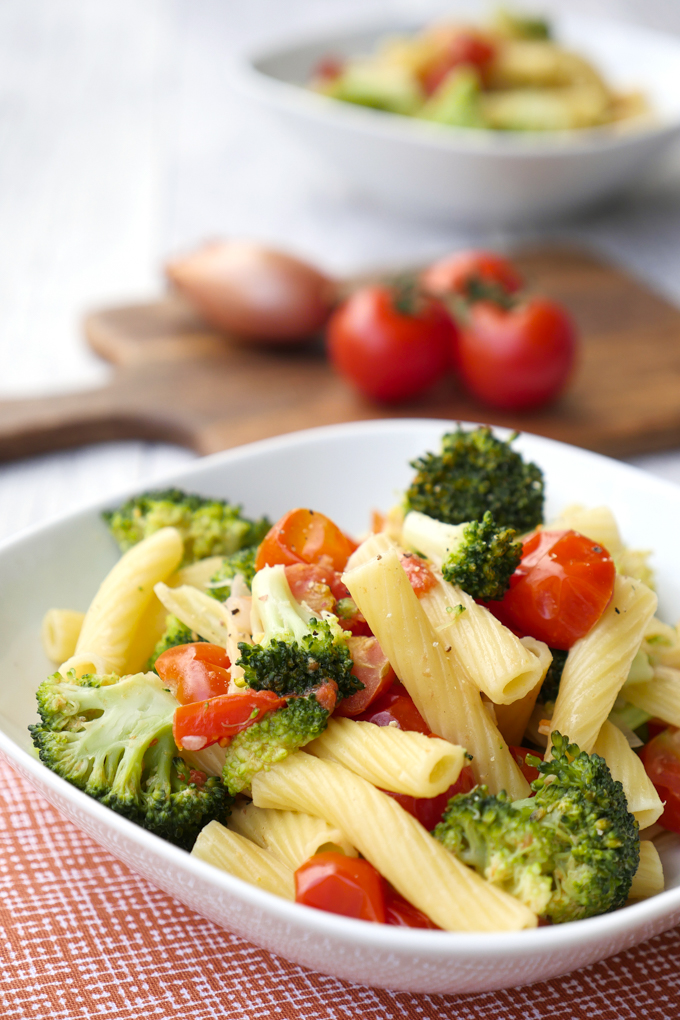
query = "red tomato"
{"x": 329, "y": 68}
{"x": 469, "y": 48}
{"x": 419, "y": 574}
{"x": 372, "y": 667}
{"x": 516, "y": 358}
{"x": 661, "y": 758}
{"x": 396, "y": 706}
{"x": 471, "y": 270}
{"x": 388, "y": 352}
{"x": 530, "y": 772}
{"x": 561, "y": 588}
{"x": 202, "y": 723}
{"x": 194, "y": 672}
{"x": 308, "y": 583}
{"x": 304, "y": 536}
{"x": 341, "y": 885}
{"x": 429, "y": 810}
{"x": 399, "y": 912}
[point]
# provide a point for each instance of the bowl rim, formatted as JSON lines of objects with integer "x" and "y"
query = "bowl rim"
{"x": 426, "y": 943}
{"x": 258, "y": 83}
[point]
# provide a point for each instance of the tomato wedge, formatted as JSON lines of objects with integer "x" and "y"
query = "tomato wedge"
{"x": 661, "y": 758}
{"x": 419, "y": 574}
{"x": 429, "y": 810}
{"x": 305, "y": 536}
{"x": 373, "y": 668}
{"x": 401, "y": 913}
{"x": 395, "y": 707}
{"x": 341, "y": 885}
{"x": 202, "y": 723}
{"x": 561, "y": 588}
{"x": 530, "y": 772}
{"x": 194, "y": 672}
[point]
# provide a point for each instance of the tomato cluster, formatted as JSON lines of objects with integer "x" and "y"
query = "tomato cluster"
{"x": 468, "y": 314}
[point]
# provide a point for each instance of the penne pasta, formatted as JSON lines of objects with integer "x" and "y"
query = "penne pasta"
{"x": 292, "y": 836}
{"x": 625, "y": 766}
{"x": 659, "y": 696}
{"x": 513, "y": 719}
{"x": 398, "y": 760}
{"x": 199, "y": 611}
{"x": 231, "y": 852}
{"x": 418, "y": 866}
{"x": 59, "y": 633}
{"x": 598, "y": 664}
{"x": 597, "y": 523}
{"x": 450, "y": 704}
{"x": 648, "y": 879}
{"x": 373, "y": 546}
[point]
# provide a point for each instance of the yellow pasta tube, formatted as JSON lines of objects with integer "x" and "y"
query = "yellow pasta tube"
{"x": 120, "y": 603}
{"x": 450, "y": 704}
{"x": 231, "y": 852}
{"x": 373, "y": 546}
{"x": 643, "y": 800}
{"x": 513, "y": 719}
{"x": 59, "y": 633}
{"x": 597, "y": 523}
{"x": 196, "y": 610}
{"x": 662, "y": 644}
{"x": 292, "y": 836}
{"x": 492, "y": 656}
{"x": 398, "y": 760}
{"x": 598, "y": 664}
{"x": 660, "y": 696}
{"x": 419, "y": 867}
{"x": 648, "y": 879}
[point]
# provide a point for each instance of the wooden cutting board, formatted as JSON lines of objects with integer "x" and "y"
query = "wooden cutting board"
{"x": 178, "y": 381}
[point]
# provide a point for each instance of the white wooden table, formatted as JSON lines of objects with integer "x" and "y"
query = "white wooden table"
{"x": 122, "y": 141}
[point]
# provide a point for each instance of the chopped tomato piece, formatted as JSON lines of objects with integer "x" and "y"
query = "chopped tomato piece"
{"x": 419, "y": 574}
{"x": 202, "y": 723}
{"x": 661, "y": 758}
{"x": 429, "y": 810}
{"x": 530, "y": 772}
{"x": 399, "y": 912}
{"x": 305, "y": 536}
{"x": 341, "y": 885}
{"x": 327, "y": 695}
{"x": 560, "y": 589}
{"x": 194, "y": 672}
{"x": 396, "y": 708}
{"x": 308, "y": 583}
{"x": 373, "y": 668}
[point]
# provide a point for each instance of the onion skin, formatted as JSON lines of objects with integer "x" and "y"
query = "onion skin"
{"x": 254, "y": 292}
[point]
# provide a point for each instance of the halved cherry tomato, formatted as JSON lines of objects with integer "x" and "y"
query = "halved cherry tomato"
{"x": 202, "y": 723}
{"x": 470, "y": 271}
{"x": 661, "y": 758}
{"x": 396, "y": 707}
{"x": 372, "y": 667}
{"x": 401, "y": 913}
{"x": 470, "y": 48}
{"x": 390, "y": 348}
{"x": 305, "y": 536}
{"x": 341, "y": 885}
{"x": 308, "y": 583}
{"x": 419, "y": 574}
{"x": 429, "y": 810}
{"x": 561, "y": 588}
{"x": 530, "y": 772}
{"x": 194, "y": 672}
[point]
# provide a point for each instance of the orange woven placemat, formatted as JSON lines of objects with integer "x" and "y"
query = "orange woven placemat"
{"x": 84, "y": 937}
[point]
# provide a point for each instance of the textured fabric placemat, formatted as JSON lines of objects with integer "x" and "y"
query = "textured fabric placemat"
{"x": 84, "y": 937}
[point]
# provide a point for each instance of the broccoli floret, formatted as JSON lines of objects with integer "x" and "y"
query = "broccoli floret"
{"x": 476, "y": 472}
{"x": 272, "y": 739}
{"x": 241, "y": 562}
{"x": 570, "y": 852}
{"x": 176, "y": 633}
{"x": 551, "y": 684}
{"x": 113, "y": 739}
{"x": 209, "y": 527}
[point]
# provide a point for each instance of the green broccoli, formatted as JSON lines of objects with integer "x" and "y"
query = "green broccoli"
{"x": 479, "y": 557}
{"x": 551, "y": 683}
{"x": 476, "y": 472}
{"x": 176, "y": 633}
{"x": 567, "y": 853}
{"x": 209, "y": 527}
{"x": 241, "y": 562}
{"x": 113, "y": 739}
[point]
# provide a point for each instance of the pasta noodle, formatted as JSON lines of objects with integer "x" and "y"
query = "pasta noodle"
{"x": 643, "y": 800}
{"x": 292, "y": 836}
{"x": 419, "y": 867}
{"x": 597, "y": 523}
{"x": 660, "y": 696}
{"x": 598, "y": 664}
{"x": 196, "y": 610}
{"x": 59, "y": 633}
{"x": 648, "y": 879}
{"x": 231, "y": 852}
{"x": 120, "y": 603}
{"x": 399, "y": 760}
{"x": 373, "y": 546}
{"x": 513, "y": 719}
{"x": 443, "y": 694}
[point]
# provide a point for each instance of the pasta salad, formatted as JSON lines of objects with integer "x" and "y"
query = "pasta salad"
{"x": 462, "y": 721}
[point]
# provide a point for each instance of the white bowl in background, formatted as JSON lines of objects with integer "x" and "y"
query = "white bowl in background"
{"x": 479, "y": 177}
{"x": 343, "y": 471}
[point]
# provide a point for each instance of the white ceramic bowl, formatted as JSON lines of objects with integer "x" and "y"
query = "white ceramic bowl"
{"x": 344, "y": 471}
{"x": 473, "y": 176}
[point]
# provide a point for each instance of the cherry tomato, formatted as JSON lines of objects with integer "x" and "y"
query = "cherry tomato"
{"x": 308, "y": 583}
{"x": 661, "y": 758}
{"x": 328, "y": 68}
{"x": 396, "y": 706}
{"x": 202, "y": 723}
{"x": 561, "y": 588}
{"x": 304, "y": 536}
{"x": 341, "y": 885}
{"x": 390, "y": 350}
{"x": 401, "y": 913}
{"x": 516, "y": 358}
{"x": 464, "y": 48}
{"x": 419, "y": 574}
{"x": 530, "y": 772}
{"x": 194, "y": 672}
{"x": 372, "y": 667}
{"x": 468, "y": 272}
{"x": 429, "y": 810}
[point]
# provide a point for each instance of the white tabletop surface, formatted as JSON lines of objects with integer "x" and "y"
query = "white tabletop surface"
{"x": 123, "y": 141}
